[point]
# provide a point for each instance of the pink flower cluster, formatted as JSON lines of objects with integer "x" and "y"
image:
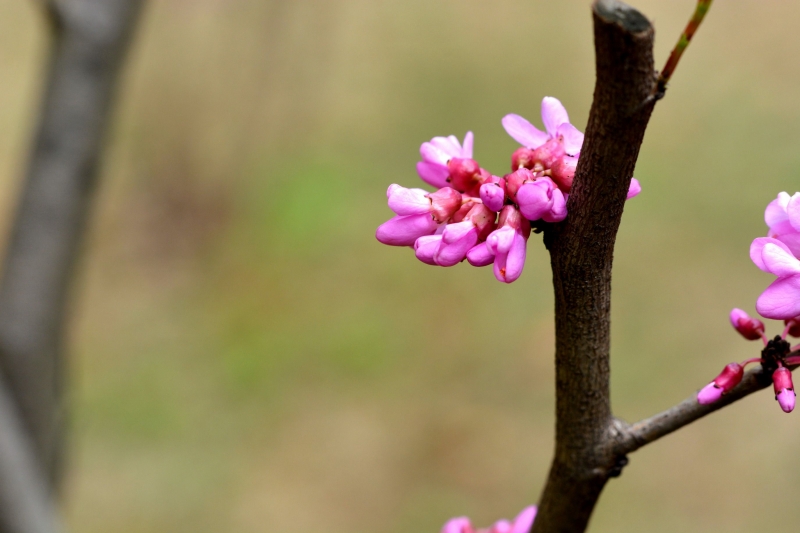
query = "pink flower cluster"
{"x": 521, "y": 524}
{"x": 778, "y": 253}
{"x": 480, "y": 217}
{"x": 775, "y": 357}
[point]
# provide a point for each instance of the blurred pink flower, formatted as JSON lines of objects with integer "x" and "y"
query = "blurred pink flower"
{"x": 521, "y": 524}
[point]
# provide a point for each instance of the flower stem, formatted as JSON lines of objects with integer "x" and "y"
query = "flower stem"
{"x": 683, "y": 42}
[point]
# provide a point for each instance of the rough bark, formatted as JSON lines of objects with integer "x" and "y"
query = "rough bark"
{"x": 90, "y": 38}
{"x": 581, "y": 250}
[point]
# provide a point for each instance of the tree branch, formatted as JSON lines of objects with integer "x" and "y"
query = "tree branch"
{"x": 631, "y": 437}
{"x": 84, "y": 64}
{"x": 25, "y": 500}
{"x": 52, "y": 13}
{"x": 581, "y": 250}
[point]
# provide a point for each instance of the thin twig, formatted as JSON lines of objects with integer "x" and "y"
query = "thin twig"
{"x": 675, "y": 56}
{"x": 634, "y": 436}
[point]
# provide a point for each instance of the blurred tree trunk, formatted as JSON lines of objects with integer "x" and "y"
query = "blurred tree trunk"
{"x": 89, "y": 41}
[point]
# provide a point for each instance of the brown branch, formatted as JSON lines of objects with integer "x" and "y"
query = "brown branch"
{"x": 581, "y": 256}
{"x": 25, "y": 500}
{"x": 85, "y": 60}
{"x": 634, "y": 436}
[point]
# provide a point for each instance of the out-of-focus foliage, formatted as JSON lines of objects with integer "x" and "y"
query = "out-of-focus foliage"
{"x": 246, "y": 357}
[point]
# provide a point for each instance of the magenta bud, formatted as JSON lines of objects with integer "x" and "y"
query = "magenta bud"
{"x": 425, "y": 248}
{"x": 522, "y": 158}
{"x": 484, "y": 220}
{"x": 786, "y": 399}
{"x": 793, "y": 326}
{"x": 730, "y": 376}
{"x": 444, "y": 203}
{"x": 464, "y": 174}
{"x": 535, "y": 199}
{"x": 515, "y": 180}
{"x": 493, "y": 196}
{"x": 709, "y": 394}
{"x": 404, "y": 230}
{"x": 548, "y": 153}
{"x": 558, "y": 212}
{"x": 563, "y": 172}
{"x": 750, "y": 328}
{"x": 480, "y": 255}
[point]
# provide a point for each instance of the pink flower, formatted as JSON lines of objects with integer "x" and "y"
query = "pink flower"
{"x": 634, "y": 189}
{"x": 730, "y": 376}
{"x": 437, "y": 152}
{"x": 781, "y": 300}
{"x": 521, "y": 524}
{"x": 508, "y": 244}
{"x": 405, "y": 230}
{"x": 783, "y": 219}
{"x": 557, "y": 126}
{"x": 458, "y": 238}
{"x": 751, "y": 329}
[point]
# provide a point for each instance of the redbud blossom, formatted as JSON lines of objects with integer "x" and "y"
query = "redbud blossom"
{"x": 730, "y": 376}
{"x": 435, "y": 155}
{"x": 793, "y": 326}
{"x": 493, "y": 195}
{"x": 784, "y": 389}
{"x": 521, "y": 524}
{"x": 404, "y": 230}
{"x": 751, "y": 329}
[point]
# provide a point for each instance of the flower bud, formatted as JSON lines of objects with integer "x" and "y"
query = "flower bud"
{"x": 493, "y": 195}
{"x": 464, "y": 174}
{"x": 548, "y": 153}
{"x": 535, "y": 198}
{"x": 784, "y": 388}
{"x": 515, "y": 180}
{"x": 750, "y": 328}
{"x": 563, "y": 172}
{"x": 444, "y": 203}
{"x": 522, "y": 158}
{"x": 793, "y": 326}
{"x": 425, "y": 248}
{"x": 730, "y": 376}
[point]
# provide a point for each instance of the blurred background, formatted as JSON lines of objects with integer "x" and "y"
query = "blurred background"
{"x": 246, "y": 357}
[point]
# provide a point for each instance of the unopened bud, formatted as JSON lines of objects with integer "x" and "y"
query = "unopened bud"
{"x": 784, "y": 388}
{"x": 515, "y": 180}
{"x": 444, "y": 203}
{"x": 464, "y": 173}
{"x": 563, "y": 172}
{"x": 793, "y": 326}
{"x": 548, "y": 153}
{"x": 522, "y": 158}
{"x": 730, "y": 376}
{"x": 750, "y": 328}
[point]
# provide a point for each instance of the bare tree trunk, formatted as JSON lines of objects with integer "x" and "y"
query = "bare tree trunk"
{"x": 582, "y": 250}
{"x": 88, "y": 47}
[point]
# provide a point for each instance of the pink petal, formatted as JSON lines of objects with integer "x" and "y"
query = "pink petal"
{"x": 466, "y": 151}
{"x": 559, "y": 210}
{"x": 786, "y": 399}
{"x": 524, "y": 520}
{"x": 455, "y": 232}
{"x": 501, "y": 526}
{"x": 535, "y": 199}
{"x": 709, "y": 394}
{"x": 777, "y": 260}
{"x": 433, "y": 154}
{"x": 776, "y": 210}
{"x": 493, "y": 196}
{"x": 500, "y": 240}
{"x": 433, "y": 174}
{"x": 452, "y": 251}
{"x": 460, "y": 524}
{"x": 480, "y": 255}
{"x": 793, "y": 211}
{"x": 523, "y": 131}
{"x": 425, "y": 248}
{"x": 408, "y": 201}
{"x": 757, "y": 247}
{"x": 572, "y": 138}
{"x": 403, "y": 231}
{"x": 737, "y": 315}
{"x": 634, "y": 189}
{"x": 508, "y": 266}
{"x": 553, "y": 115}
{"x": 781, "y": 300}
{"x": 449, "y": 145}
